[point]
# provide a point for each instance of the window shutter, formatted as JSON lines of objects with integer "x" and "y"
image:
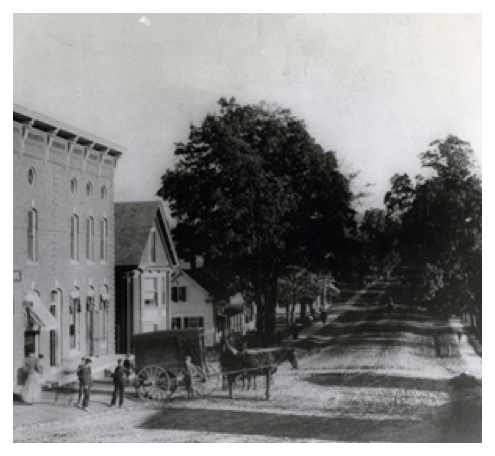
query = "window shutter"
{"x": 174, "y": 294}
{"x": 183, "y": 294}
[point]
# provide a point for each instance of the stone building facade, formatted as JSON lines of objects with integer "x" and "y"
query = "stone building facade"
{"x": 63, "y": 235}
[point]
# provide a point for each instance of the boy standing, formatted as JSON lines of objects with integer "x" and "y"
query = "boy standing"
{"x": 189, "y": 372}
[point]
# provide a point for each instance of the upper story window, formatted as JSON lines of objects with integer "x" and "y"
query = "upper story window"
{"x": 90, "y": 239}
{"x": 32, "y": 176}
{"x": 103, "y": 240}
{"x": 89, "y": 189}
{"x": 103, "y": 192}
{"x": 74, "y": 238}
{"x": 153, "y": 246}
{"x": 32, "y": 235}
{"x": 151, "y": 291}
{"x": 73, "y": 186}
{"x": 179, "y": 294}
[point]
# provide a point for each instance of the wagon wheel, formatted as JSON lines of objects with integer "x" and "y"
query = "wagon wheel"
{"x": 207, "y": 380}
{"x": 153, "y": 383}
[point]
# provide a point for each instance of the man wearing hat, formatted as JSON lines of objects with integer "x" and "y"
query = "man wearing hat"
{"x": 86, "y": 381}
{"x": 79, "y": 377}
{"x": 119, "y": 383}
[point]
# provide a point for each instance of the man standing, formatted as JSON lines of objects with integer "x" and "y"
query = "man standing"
{"x": 119, "y": 383}
{"x": 86, "y": 381}
{"x": 79, "y": 377}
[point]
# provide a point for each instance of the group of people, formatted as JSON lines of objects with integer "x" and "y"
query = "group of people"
{"x": 31, "y": 390}
{"x": 120, "y": 375}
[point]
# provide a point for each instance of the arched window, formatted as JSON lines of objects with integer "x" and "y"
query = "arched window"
{"x": 32, "y": 235}
{"x": 55, "y": 310}
{"x": 73, "y": 186}
{"x": 89, "y": 189}
{"x": 32, "y": 176}
{"x": 104, "y": 304}
{"x": 103, "y": 192}
{"x": 74, "y": 238}
{"x": 90, "y": 238}
{"x": 103, "y": 240}
{"x": 74, "y": 310}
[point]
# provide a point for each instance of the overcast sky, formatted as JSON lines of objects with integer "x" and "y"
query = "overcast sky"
{"x": 376, "y": 89}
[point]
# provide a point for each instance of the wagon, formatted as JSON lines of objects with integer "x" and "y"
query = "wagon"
{"x": 159, "y": 363}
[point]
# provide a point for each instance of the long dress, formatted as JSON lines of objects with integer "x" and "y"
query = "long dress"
{"x": 31, "y": 391}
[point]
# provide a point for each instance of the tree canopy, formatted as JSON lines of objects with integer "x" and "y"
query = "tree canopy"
{"x": 254, "y": 194}
{"x": 440, "y": 227}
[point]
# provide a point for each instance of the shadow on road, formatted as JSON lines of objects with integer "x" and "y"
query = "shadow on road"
{"x": 269, "y": 424}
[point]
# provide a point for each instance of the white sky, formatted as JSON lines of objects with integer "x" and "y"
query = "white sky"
{"x": 375, "y": 88}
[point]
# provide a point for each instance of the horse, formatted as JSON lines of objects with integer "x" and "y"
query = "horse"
{"x": 280, "y": 355}
{"x": 253, "y": 362}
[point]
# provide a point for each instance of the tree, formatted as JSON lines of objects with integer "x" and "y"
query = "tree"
{"x": 440, "y": 228}
{"x": 298, "y": 286}
{"x": 254, "y": 194}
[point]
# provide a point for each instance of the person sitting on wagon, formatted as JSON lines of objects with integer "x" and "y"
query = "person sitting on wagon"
{"x": 189, "y": 371}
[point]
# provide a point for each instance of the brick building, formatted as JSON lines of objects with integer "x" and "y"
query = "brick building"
{"x": 63, "y": 243}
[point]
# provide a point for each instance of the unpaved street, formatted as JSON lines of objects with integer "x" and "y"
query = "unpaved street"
{"x": 369, "y": 375}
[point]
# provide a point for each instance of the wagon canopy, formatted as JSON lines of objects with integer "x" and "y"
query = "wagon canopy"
{"x": 169, "y": 348}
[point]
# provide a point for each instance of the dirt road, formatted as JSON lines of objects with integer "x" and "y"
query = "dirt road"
{"x": 370, "y": 375}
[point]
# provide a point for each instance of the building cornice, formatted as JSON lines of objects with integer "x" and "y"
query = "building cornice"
{"x": 69, "y": 132}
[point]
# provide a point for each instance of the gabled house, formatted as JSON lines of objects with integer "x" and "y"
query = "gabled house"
{"x": 192, "y": 307}
{"x": 232, "y": 316}
{"x": 145, "y": 261}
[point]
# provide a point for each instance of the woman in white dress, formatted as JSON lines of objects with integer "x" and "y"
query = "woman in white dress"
{"x": 31, "y": 391}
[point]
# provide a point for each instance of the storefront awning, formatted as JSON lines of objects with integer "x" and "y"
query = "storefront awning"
{"x": 39, "y": 312}
{"x": 74, "y": 294}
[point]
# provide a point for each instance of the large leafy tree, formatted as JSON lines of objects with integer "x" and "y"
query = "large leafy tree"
{"x": 254, "y": 194}
{"x": 440, "y": 235}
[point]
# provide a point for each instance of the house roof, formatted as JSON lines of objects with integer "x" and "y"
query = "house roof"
{"x": 133, "y": 221}
{"x": 182, "y": 272}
